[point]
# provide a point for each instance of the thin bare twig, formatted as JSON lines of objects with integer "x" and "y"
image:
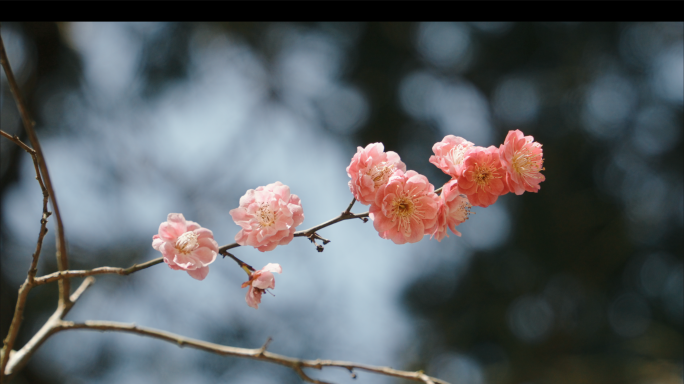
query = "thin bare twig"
{"x": 62, "y": 259}
{"x": 256, "y": 353}
{"x": 18, "y": 142}
{"x": 60, "y": 275}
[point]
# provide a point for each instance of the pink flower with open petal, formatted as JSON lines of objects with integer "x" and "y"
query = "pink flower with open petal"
{"x": 405, "y": 207}
{"x": 268, "y": 216}
{"x": 186, "y": 245}
{"x": 522, "y": 158}
{"x": 454, "y": 209}
{"x": 450, "y": 153}
{"x": 482, "y": 179}
{"x": 370, "y": 168}
{"x": 258, "y": 282}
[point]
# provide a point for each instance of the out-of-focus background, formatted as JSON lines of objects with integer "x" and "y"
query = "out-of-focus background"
{"x": 579, "y": 283}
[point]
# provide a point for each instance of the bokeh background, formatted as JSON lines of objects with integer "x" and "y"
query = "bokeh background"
{"x": 579, "y": 283}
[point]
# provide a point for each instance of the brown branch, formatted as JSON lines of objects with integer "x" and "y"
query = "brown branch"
{"x": 60, "y": 275}
{"x": 18, "y": 142}
{"x": 241, "y": 263}
{"x": 18, "y": 359}
{"x": 62, "y": 260}
{"x": 18, "y": 316}
{"x": 260, "y": 354}
{"x": 46, "y": 213}
{"x": 348, "y": 210}
{"x": 29, "y": 283}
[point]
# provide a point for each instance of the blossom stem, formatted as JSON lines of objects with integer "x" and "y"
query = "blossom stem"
{"x": 348, "y": 210}
{"x": 248, "y": 268}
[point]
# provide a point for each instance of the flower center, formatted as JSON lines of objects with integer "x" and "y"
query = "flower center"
{"x": 265, "y": 216}
{"x": 526, "y": 164}
{"x": 380, "y": 173}
{"x": 187, "y": 242}
{"x": 404, "y": 208}
{"x": 483, "y": 175}
{"x": 458, "y": 152}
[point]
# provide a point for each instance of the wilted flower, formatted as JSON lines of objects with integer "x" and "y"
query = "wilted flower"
{"x": 186, "y": 245}
{"x": 449, "y": 154}
{"x": 482, "y": 179}
{"x": 454, "y": 209}
{"x": 370, "y": 168}
{"x": 258, "y": 282}
{"x": 404, "y": 207}
{"x": 268, "y": 216}
{"x": 522, "y": 158}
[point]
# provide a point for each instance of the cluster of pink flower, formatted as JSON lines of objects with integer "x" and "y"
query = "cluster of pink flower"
{"x": 268, "y": 217}
{"x": 187, "y": 246}
{"x": 403, "y": 204}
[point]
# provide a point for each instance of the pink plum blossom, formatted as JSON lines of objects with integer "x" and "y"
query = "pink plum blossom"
{"x": 449, "y": 154}
{"x": 405, "y": 207}
{"x": 258, "y": 282}
{"x": 454, "y": 209}
{"x": 370, "y": 168}
{"x": 186, "y": 245}
{"x": 268, "y": 216}
{"x": 482, "y": 179}
{"x": 522, "y": 158}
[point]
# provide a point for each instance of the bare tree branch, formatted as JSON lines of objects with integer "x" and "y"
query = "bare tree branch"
{"x": 18, "y": 142}
{"x": 260, "y": 354}
{"x": 43, "y": 221}
{"x": 18, "y": 316}
{"x": 59, "y": 275}
{"x": 18, "y": 359}
{"x": 62, "y": 259}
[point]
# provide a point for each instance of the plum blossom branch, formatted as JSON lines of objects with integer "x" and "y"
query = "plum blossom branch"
{"x": 260, "y": 354}
{"x": 62, "y": 259}
{"x": 311, "y": 232}
{"x": 68, "y": 274}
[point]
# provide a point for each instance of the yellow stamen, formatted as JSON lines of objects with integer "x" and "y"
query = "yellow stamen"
{"x": 484, "y": 174}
